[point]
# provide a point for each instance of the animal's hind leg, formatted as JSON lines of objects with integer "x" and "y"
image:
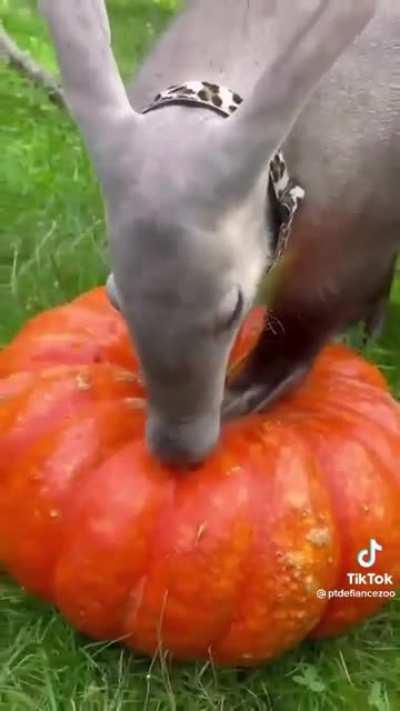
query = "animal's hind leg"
{"x": 290, "y": 342}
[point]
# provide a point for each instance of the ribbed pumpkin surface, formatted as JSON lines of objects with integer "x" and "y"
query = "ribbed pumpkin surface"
{"x": 224, "y": 561}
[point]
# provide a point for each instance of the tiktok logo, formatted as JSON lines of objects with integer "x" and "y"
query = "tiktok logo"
{"x": 367, "y": 556}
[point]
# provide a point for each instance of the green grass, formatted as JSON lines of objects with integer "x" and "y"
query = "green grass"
{"x": 46, "y": 666}
{"x": 52, "y": 241}
{"x": 52, "y": 246}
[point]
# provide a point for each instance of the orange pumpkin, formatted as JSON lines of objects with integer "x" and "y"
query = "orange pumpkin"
{"x": 225, "y": 561}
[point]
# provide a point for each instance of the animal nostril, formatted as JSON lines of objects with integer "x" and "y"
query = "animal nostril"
{"x": 172, "y": 453}
{"x": 175, "y": 457}
{"x": 185, "y": 445}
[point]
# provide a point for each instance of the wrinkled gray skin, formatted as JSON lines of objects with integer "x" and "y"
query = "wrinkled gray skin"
{"x": 185, "y": 191}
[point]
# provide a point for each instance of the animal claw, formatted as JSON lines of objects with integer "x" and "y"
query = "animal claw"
{"x": 260, "y": 396}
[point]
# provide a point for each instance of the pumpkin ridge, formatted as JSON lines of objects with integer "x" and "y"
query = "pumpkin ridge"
{"x": 110, "y": 450}
{"x": 77, "y": 388}
{"x": 140, "y": 583}
{"x": 290, "y": 602}
{"x": 257, "y": 440}
{"x": 305, "y": 406}
{"x": 75, "y": 590}
{"x": 174, "y": 600}
{"x": 242, "y": 584}
{"x": 90, "y": 324}
{"x": 340, "y": 361}
{"x": 320, "y": 426}
{"x": 54, "y": 439}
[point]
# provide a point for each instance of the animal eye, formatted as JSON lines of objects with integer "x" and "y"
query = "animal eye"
{"x": 233, "y": 318}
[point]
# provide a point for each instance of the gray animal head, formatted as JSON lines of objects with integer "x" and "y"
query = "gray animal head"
{"x": 187, "y": 258}
{"x": 185, "y": 204}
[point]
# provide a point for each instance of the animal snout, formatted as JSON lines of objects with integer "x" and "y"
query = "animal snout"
{"x": 181, "y": 444}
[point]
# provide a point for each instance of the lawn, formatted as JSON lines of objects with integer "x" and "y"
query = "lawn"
{"x": 52, "y": 246}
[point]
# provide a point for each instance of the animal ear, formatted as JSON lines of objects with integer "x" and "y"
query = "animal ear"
{"x": 92, "y": 83}
{"x": 312, "y": 42}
